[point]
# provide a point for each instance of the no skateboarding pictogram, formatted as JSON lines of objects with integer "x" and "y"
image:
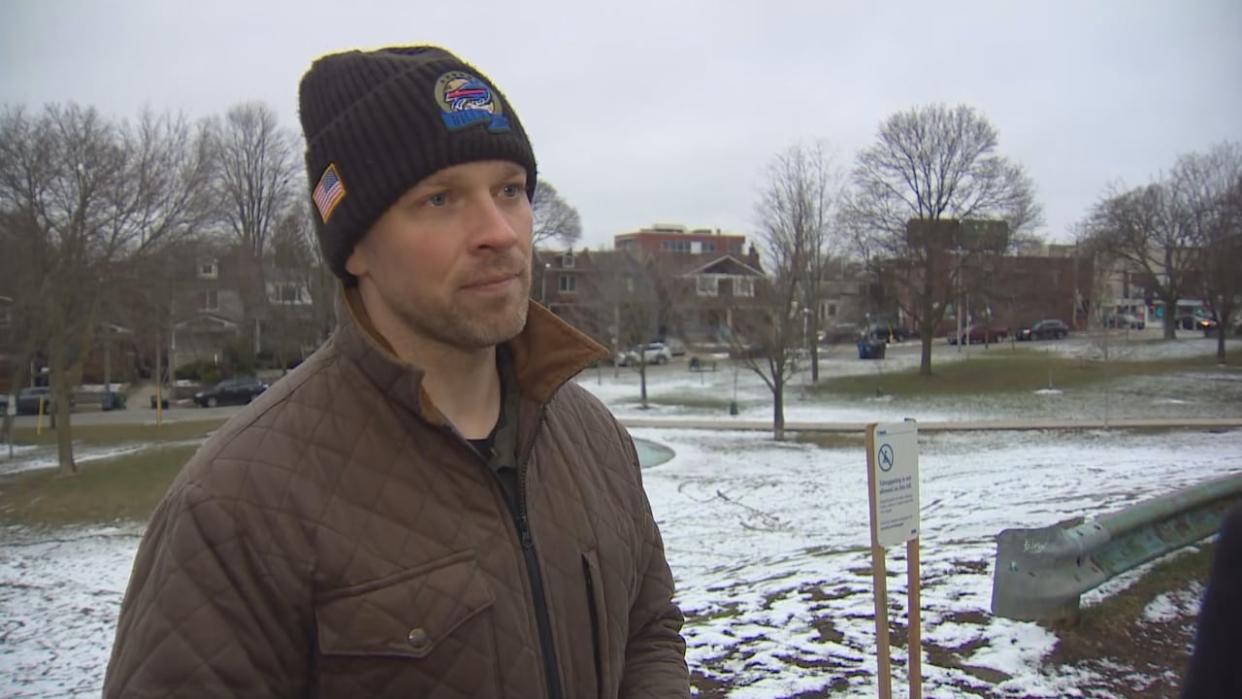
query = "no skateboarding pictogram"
{"x": 886, "y": 457}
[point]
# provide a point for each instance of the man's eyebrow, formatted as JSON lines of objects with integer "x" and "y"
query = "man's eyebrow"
{"x": 513, "y": 170}
{"x": 443, "y": 179}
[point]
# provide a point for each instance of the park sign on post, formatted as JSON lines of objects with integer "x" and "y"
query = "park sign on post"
{"x": 893, "y": 492}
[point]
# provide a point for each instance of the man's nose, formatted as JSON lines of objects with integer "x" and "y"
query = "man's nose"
{"x": 489, "y": 227}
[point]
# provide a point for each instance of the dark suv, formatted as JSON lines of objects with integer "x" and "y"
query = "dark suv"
{"x": 237, "y": 390}
{"x": 1044, "y": 330}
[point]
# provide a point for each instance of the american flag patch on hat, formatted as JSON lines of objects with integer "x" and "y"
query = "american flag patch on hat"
{"x": 329, "y": 192}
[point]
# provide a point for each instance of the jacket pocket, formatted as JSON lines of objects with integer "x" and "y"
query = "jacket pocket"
{"x": 599, "y": 630}
{"x": 425, "y": 616}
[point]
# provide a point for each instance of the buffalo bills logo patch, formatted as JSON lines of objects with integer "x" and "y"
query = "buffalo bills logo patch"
{"x": 466, "y": 100}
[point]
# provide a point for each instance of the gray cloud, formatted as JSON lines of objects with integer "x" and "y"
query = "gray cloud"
{"x": 644, "y": 112}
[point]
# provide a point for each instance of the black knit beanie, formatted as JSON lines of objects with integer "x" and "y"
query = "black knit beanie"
{"x": 379, "y": 122}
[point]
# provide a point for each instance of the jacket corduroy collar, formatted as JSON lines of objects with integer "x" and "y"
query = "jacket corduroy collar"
{"x": 547, "y": 353}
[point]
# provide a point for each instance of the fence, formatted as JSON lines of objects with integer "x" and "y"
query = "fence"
{"x": 1040, "y": 573}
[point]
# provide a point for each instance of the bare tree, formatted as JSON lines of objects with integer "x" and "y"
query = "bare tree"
{"x": 1207, "y": 187}
{"x": 22, "y": 276}
{"x": 630, "y": 304}
{"x": 258, "y": 179}
{"x": 793, "y": 212}
{"x": 929, "y": 164}
{"x": 1147, "y": 229}
{"x": 302, "y": 286}
{"x": 800, "y": 201}
{"x": 93, "y": 196}
{"x": 555, "y": 219}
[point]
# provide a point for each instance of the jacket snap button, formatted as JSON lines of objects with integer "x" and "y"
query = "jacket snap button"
{"x": 419, "y": 640}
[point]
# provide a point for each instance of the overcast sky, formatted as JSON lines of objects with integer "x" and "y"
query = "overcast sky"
{"x": 668, "y": 112}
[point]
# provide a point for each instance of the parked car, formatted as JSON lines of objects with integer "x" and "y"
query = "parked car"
{"x": 675, "y": 346}
{"x": 237, "y": 390}
{"x": 1205, "y": 323}
{"x": 886, "y": 332}
{"x": 28, "y": 400}
{"x": 652, "y": 353}
{"x": 1124, "y": 320}
{"x": 981, "y": 333}
{"x": 1051, "y": 329}
{"x": 838, "y": 333}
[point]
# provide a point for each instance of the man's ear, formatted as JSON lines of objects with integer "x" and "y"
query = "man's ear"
{"x": 356, "y": 263}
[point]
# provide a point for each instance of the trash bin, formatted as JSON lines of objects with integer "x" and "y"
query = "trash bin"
{"x": 871, "y": 349}
{"x": 113, "y": 401}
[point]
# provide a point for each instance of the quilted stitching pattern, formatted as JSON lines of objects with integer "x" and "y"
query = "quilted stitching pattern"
{"x": 304, "y": 543}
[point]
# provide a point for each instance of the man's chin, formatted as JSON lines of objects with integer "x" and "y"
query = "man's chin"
{"x": 490, "y": 329}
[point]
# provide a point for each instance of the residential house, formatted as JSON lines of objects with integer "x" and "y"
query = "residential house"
{"x": 704, "y": 276}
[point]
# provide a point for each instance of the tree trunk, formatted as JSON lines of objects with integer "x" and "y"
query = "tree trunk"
{"x": 642, "y": 378}
{"x": 1222, "y": 326}
{"x": 814, "y": 357}
{"x": 926, "y": 321}
{"x": 778, "y": 410}
{"x": 1170, "y": 318}
{"x": 60, "y": 399}
{"x": 927, "y": 332}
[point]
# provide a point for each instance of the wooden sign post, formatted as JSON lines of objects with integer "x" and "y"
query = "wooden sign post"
{"x": 893, "y": 492}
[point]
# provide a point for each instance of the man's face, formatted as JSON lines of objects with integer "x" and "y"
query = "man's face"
{"x": 449, "y": 262}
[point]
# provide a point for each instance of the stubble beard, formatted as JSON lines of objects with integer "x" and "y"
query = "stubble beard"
{"x": 471, "y": 326}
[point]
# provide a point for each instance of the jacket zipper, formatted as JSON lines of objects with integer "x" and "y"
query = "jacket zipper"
{"x": 527, "y": 540}
{"x": 542, "y": 619}
{"x": 595, "y": 630}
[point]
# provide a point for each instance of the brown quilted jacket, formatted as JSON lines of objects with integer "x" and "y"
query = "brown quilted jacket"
{"x": 338, "y": 539}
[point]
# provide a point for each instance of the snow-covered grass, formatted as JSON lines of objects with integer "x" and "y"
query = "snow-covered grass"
{"x": 34, "y": 458}
{"x": 770, "y": 546}
{"x": 769, "y": 541}
{"x": 675, "y": 392}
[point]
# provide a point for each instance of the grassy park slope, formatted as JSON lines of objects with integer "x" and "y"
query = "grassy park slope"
{"x": 1120, "y": 630}
{"x": 1010, "y": 371}
{"x": 109, "y": 435}
{"x": 125, "y": 487}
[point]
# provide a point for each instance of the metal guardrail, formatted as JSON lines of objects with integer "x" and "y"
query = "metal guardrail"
{"x": 1040, "y": 573}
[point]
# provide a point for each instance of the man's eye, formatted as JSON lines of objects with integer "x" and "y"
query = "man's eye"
{"x": 512, "y": 190}
{"x": 439, "y": 199}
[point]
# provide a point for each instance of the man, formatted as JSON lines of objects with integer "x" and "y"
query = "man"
{"x": 1213, "y": 672}
{"x": 428, "y": 506}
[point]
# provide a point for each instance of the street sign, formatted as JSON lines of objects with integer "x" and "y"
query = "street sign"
{"x": 895, "y": 483}
{"x": 893, "y": 494}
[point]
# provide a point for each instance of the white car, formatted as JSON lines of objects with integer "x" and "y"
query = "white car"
{"x": 653, "y": 353}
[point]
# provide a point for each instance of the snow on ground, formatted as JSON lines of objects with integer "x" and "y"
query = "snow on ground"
{"x": 769, "y": 541}
{"x": 675, "y": 392}
{"x": 32, "y": 458}
{"x": 770, "y": 546}
{"x": 1174, "y": 605}
{"x": 60, "y": 592}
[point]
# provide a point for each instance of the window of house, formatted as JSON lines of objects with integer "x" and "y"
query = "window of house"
{"x": 208, "y": 269}
{"x": 286, "y": 293}
{"x": 708, "y": 284}
{"x": 568, "y": 284}
{"x": 709, "y": 246}
{"x": 209, "y": 300}
{"x": 743, "y": 286}
{"x": 567, "y": 260}
{"x": 675, "y": 245}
